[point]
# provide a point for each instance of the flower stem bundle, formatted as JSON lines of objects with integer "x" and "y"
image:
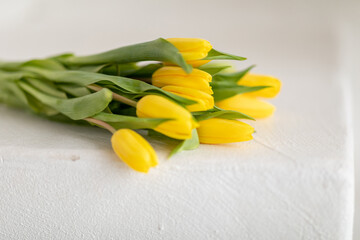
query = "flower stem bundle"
{"x": 184, "y": 93}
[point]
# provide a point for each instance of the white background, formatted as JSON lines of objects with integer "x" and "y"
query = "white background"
{"x": 270, "y": 31}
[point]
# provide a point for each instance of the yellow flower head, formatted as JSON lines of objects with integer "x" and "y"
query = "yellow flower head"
{"x": 218, "y": 130}
{"x": 247, "y": 104}
{"x": 204, "y": 100}
{"x": 134, "y": 150}
{"x": 191, "y": 48}
{"x": 197, "y": 63}
{"x": 253, "y": 80}
{"x": 153, "y": 106}
{"x": 176, "y": 76}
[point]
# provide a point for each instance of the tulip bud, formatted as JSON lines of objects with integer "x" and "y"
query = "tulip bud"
{"x": 134, "y": 150}
{"x": 191, "y": 48}
{"x": 218, "y": 130}
{"x": 153, "y": 106}
{"x": 197, "y": 63}
{"x": 176, "y": 76}
{"x": 204, "y": 101}
{"x": 247, "y": 104}
{"x": 253, "y": 80}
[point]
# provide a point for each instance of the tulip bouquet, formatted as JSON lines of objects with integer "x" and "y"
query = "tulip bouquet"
{"x": 168, "y": 87}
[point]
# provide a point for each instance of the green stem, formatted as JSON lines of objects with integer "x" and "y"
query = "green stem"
{"x": 101, "y": 124}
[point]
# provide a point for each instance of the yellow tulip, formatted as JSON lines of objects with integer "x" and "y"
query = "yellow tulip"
{"x": 153, "y": 106}
{"x": 253, "y": 80}
{"x": 204, "y": 101}
{"x": 197, "y": 63}
{"x": 218, "y": 130}
{"x": 176, "y": 76}
{"x": 191, "y": 48}
{"x": 134, "y": 150}
{"x": 248, "y": 105}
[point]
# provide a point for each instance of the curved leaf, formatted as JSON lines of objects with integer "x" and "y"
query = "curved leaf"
{"x": 231, "y": 77}
{"x": 224, "y": 90}
{"x": 75, "y": 108}
{"x": 217, "y": 55}
{"x": 212, "y": 70}
{"x": 10, "y": 66}
{"x": 121, "y": 121}
{"x": 73, "y": 89}
{"x": 188, "y": 144}
{"x": 116, "y": 69}
{"x": 46, "y": 86}
{"x": 156, "y": 50}
{"x": 146, "y": 71}
{"x": 220, "y": 113}
{"x": 13, "y": 76}
{"x": 11, "y": 94}
{"x": 127, "y": 85}
{"x": 44, "y": 63}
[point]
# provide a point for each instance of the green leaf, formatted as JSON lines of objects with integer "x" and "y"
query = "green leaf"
{"x": 126, "y": 85}
{"x": 231, "y": 77}
{"x": 39, "y": 107}
{"x": 13, "y": 76}
{"x": 146, "y": 71}
{"x": 121, "y": 121}
{"x": 163, "y": 138}
{"x": 216, "y": 55}
{"x": 73, "y": 89}
{"x": 44, "y": 63}
{"x": 49, "y": 63}
{"x": 224, "y": 90}
{"x": 157, "y": 50}
{"x": 90, "y": 68}
{"x": 217, "y": 112}
{"x": 75, "y": 108}
{"x": 119, "y": 69}
{"x": 61, "y": 56}
{"x": 122, "y": 109}
{"x": 46, "y": 86}
{"x": 212, "y": 70}
{"x": 10, "y": 66}
{"x": 188, "y": 144}
{"x": 64, "y": 119}
{"x": 10, "y": 83}
{"x": 13, "y": 89}
{"x": 8, "y": 98}
{"x": 11, "y": 94}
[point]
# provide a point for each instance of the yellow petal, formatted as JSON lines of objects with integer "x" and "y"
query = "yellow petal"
{"x": 199, "y": 106}
{"x": 153, "y": 106}
{"x": 191, "y": 48}
{"x": 170, "y": 71}
{"x": 247, "y": 104}
{"x": 217, "y": 131}
{"x": 197, "y": 63}
{"x": 204, "y": 100}
{"x": 175, "y": 76}
{"x": 194, "y": 63}
{"x": 134, "y": 150}
{"x": 253, "y": 80}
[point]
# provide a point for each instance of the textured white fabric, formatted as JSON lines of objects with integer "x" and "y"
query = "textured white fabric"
{"x": 294, "y": 181}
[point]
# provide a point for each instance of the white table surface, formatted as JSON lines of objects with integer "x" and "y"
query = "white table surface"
{"x": 294, "y": 181}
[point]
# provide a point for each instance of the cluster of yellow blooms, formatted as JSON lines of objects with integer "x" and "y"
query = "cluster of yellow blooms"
{"x": 249, "y": 103}
{"x": 134, "y": 150}
{"x": 182, "y": 96}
